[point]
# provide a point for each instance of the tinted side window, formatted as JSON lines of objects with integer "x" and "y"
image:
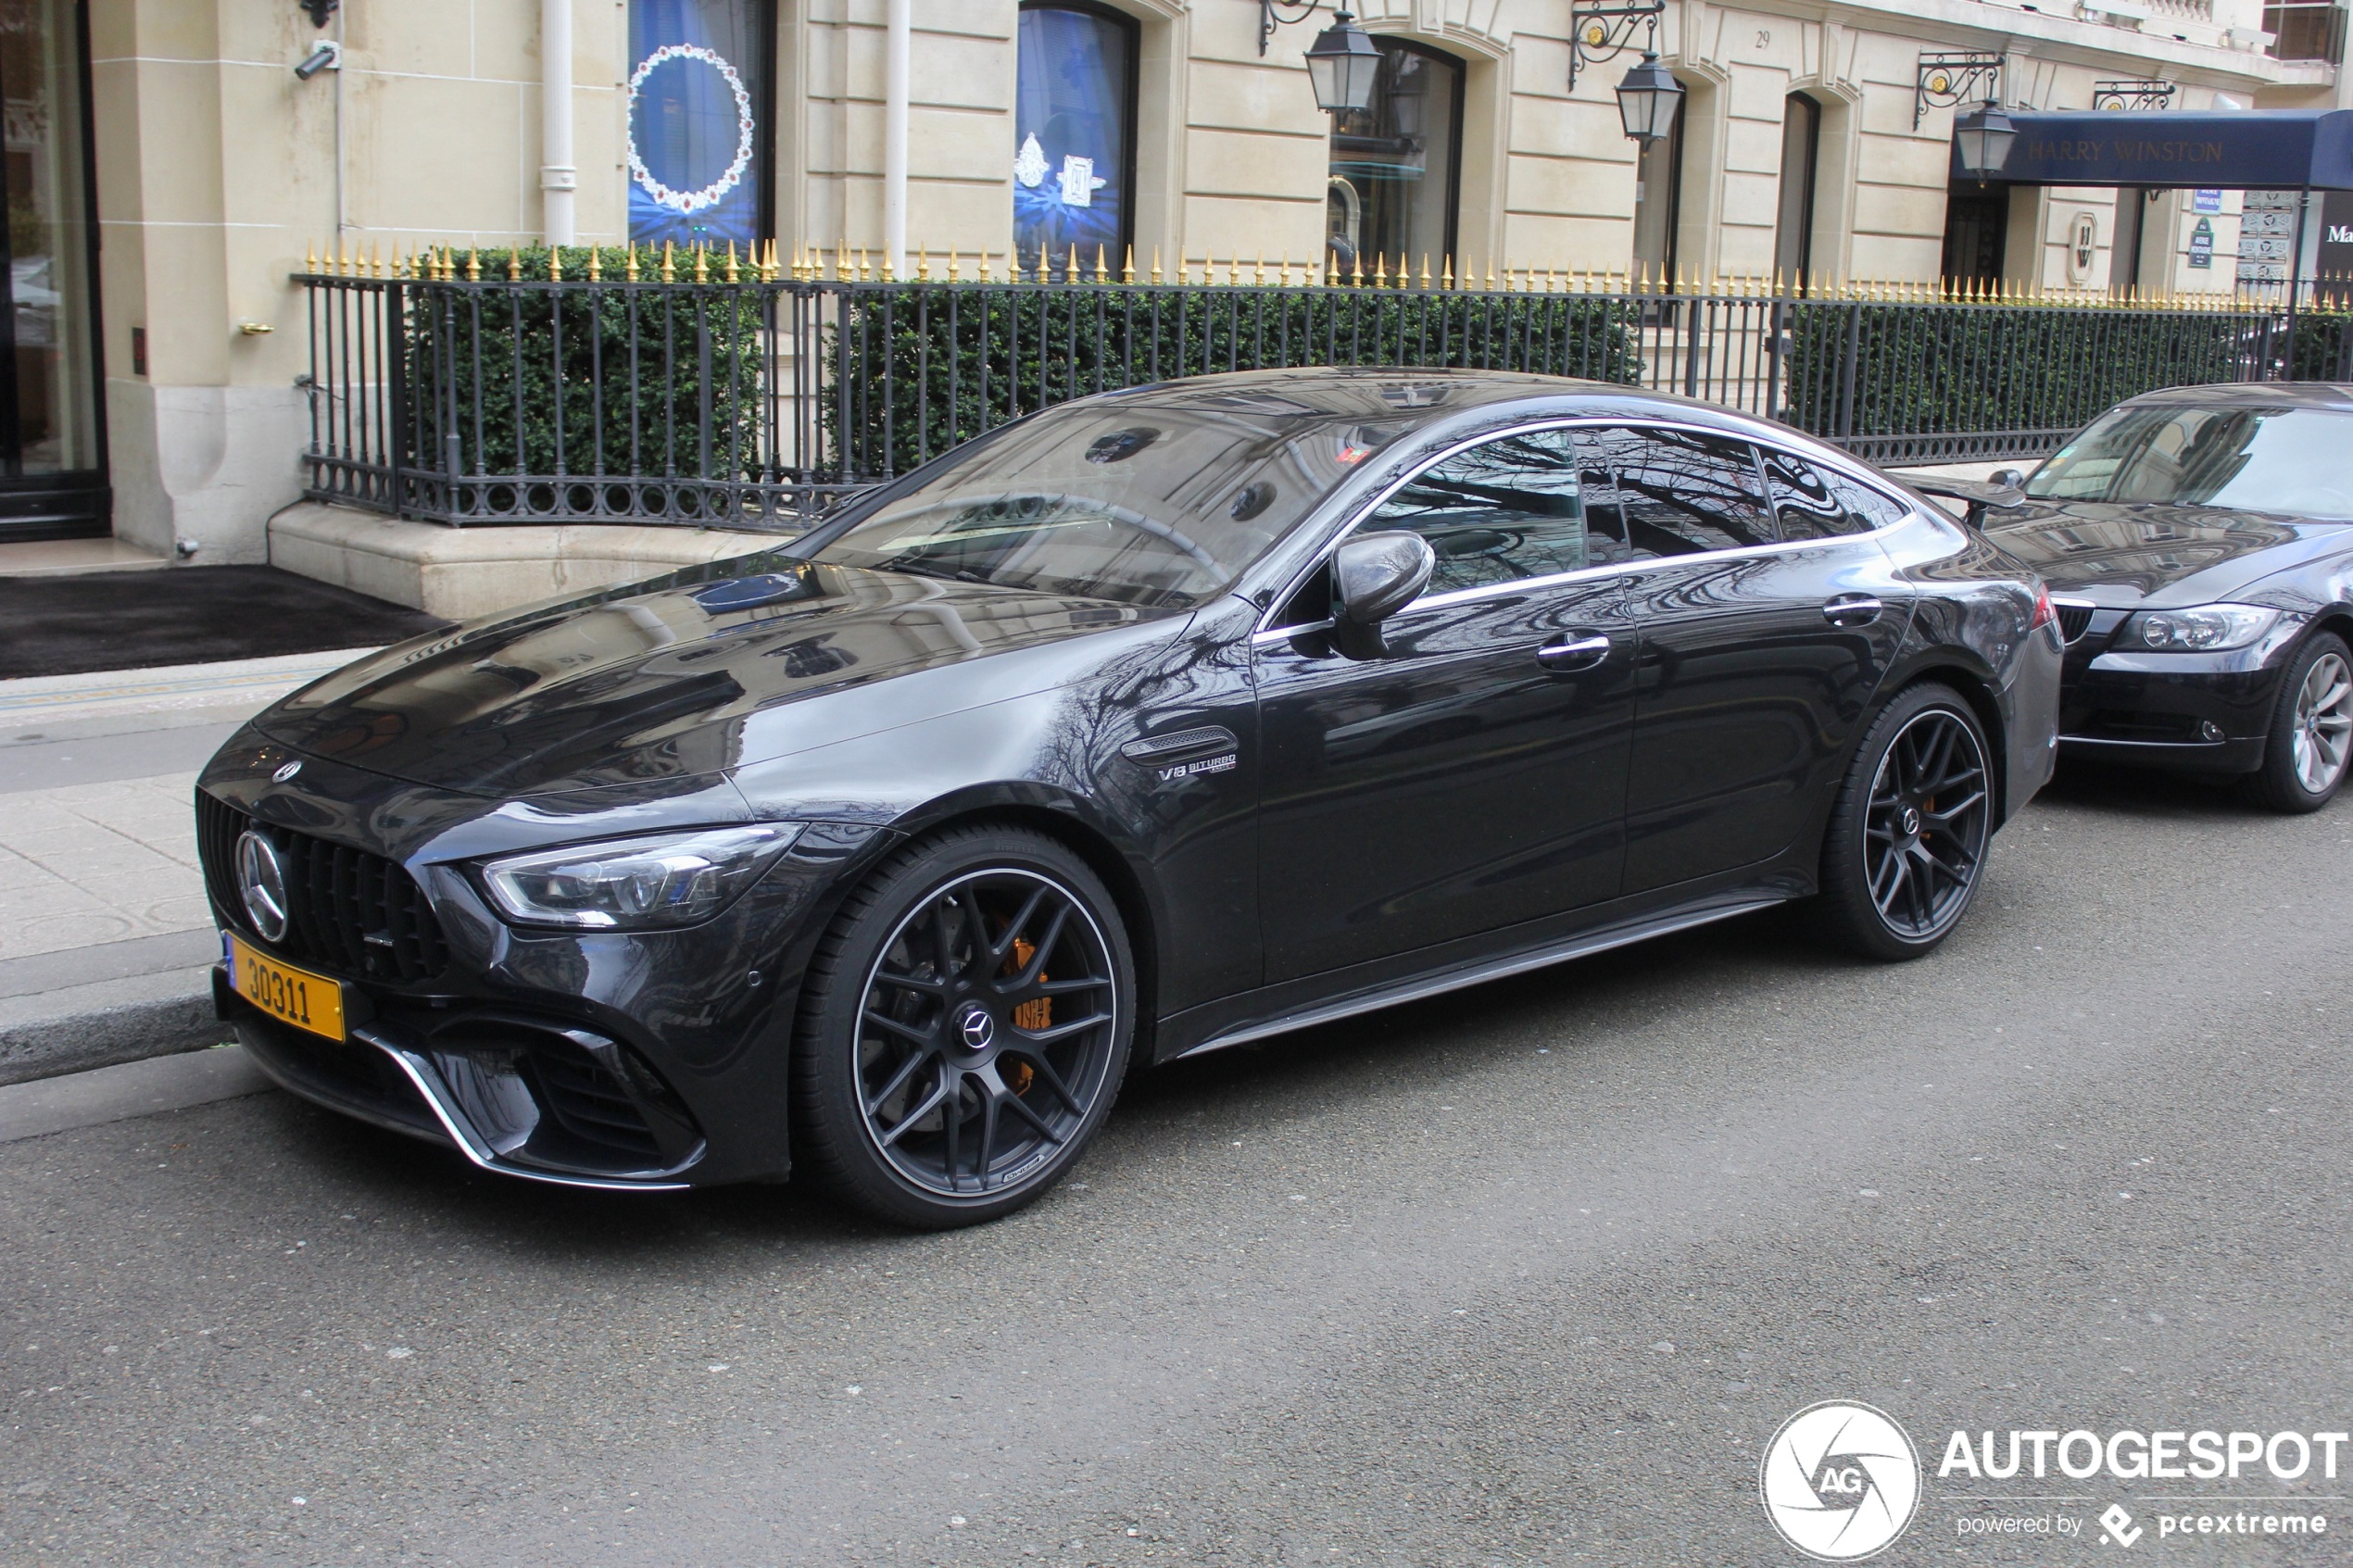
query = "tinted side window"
{"x": 1676, "y": 493}
{"x": 1501, "y": 512}
{"x": 1805, "y": 504}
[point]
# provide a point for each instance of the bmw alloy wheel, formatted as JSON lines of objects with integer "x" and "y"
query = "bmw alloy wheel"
{"x": 2323, "y": 724}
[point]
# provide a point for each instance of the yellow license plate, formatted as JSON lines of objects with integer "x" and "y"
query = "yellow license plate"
{"x": 296, "y": 996}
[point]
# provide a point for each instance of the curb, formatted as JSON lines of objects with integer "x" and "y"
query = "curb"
{"x": 138, "y": 1088}
{"x": 79, "y": 1027}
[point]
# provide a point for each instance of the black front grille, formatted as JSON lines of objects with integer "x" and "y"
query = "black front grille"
{"x": 2074, "y": 620}
{"x": 353, "y": 912}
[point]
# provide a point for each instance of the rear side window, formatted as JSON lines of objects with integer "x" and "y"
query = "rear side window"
{"x": 1871, "y": 508}
{"x": 1812, "y": 503}
{"x": 1497, "y": 512}
{"x": 1672, "y": 493}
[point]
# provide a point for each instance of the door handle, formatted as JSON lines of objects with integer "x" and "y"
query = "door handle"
{"x": 1852, "y": 609}
{"x": 1572, "y": 654}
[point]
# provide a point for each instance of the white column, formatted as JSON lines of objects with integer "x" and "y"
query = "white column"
{"x": 896, "y": 48}
{"x": 558, "y": 179}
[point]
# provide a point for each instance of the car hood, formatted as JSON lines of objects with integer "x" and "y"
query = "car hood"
{"x": 2122, "y": 555}
{"x": 693, "y": 673}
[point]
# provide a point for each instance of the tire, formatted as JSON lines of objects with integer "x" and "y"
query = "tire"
{"x": 1908, "y": 834}
{"x": 936, "y": 1094}
{"x": 2305, "y": 750}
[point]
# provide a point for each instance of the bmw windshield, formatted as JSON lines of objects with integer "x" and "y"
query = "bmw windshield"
{"x": 1158, "y": 503}
{"x": 2286, "y": 460}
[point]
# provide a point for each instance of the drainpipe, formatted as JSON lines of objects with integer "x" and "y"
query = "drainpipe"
{"x": 558, "y": 179}
{"x": 896, "y": 46}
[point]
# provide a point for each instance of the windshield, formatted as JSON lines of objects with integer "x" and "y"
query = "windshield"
{"x": 1159, "y": 503}
{"x": 2290, "y": 460}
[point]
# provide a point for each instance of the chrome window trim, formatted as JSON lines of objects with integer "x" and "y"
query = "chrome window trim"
{"x": 1268, "y": 632}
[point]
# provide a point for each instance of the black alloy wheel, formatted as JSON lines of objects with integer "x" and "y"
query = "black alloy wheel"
{"x": 2310, "y": 741}
{"x": 1908, "y": 835}
{"x": 965, "y": 1029}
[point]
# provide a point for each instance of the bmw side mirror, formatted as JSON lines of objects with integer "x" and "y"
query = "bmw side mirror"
{"x": 1374, "y": 576}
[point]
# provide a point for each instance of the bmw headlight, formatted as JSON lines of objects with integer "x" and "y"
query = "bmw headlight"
{"x": 636, "y": 883}
{"x": 2204, "y": 628}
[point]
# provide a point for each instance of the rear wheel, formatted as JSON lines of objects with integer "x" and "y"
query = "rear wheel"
{"x": 1910, "y": 829}
{"x": 2305, "y": 752}
{"x": 964, "y": 1030}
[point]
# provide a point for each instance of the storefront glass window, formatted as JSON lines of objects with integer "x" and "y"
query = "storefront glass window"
{"x": 1073, "y": 137}
{"x": 697, "y": 121}
{"x": 48, "y": 415}
{"x": 1394, "y": 164}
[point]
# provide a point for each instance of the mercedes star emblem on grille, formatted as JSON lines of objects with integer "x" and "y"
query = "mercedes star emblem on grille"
{"x": 261, "y": 882}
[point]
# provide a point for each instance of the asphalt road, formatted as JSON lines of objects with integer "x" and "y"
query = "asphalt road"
{"x": 1528, "y": 1275}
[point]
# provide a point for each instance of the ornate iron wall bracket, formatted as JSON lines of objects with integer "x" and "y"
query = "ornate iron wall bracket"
{"x": 2133, "y": 93}
{"x": 1603, "y": 32}
{"x": 1272, "y": 14}
{"x": 1944, "y": 80}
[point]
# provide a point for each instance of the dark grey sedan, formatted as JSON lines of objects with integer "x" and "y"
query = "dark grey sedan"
{"x": 2198, "y": 544}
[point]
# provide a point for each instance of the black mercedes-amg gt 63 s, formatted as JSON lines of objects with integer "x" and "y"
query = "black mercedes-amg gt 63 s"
{"x": 2198, "y": 543}
{"x": 1154, "y": 723}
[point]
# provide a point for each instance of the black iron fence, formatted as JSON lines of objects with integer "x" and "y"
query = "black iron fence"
{"x": 737, "y": 397}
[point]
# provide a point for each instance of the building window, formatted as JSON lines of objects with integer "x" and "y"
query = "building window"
{"x": 48, "y": 369}
{"x": 1396, "y": 164}
{"x": 1074, "y": 138}
{"x": 2305, "y": 29}
{"x": 1801, "y": 151}
{"x": 699, "y": 101}
{"x": 1658, "y": 201}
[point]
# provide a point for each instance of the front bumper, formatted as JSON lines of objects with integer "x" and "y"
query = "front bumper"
{"x": 513, "y": 1095}
{"x": 2184, "y": 712}
{"x": 640, "y": 1061}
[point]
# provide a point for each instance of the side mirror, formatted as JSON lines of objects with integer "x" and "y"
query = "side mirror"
{"x": 2012, "y": 477}
{"x": 1374, "y": 576}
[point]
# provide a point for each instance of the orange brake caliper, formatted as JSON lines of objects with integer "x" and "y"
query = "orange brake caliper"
{"x": 1035, "y": 1014}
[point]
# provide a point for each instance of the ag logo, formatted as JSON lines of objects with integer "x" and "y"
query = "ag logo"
{"x": 1840, "y": 1481}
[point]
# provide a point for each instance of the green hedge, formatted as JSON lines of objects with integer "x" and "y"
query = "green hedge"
{"x": 1936, "y": 369}
{"x": 514, "y": 370}
{"x": 912, "y": 369}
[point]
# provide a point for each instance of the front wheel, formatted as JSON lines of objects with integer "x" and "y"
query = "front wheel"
{"x": 1910, "y": 829}
{"x": 2305, "y": 753}
{"x": 963, "y": 1029}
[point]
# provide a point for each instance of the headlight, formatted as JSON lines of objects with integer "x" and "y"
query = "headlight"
{"x": 636, "y": 883}
{"x": 2206, "y": 629}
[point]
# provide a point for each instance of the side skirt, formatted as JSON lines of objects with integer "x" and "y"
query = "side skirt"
{"x": 1454, "y": 977}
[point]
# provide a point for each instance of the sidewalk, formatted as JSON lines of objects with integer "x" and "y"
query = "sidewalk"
{"x": 106, "y": 941}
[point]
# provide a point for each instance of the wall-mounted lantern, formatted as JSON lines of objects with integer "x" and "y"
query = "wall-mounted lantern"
{"x": 1983, "y": 135}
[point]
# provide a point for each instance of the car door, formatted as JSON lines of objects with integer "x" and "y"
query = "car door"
{"x": 1472, "y": 775}
{"x": 1762, "y": 640}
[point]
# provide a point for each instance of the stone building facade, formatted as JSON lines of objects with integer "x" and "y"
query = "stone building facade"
{"x": 169, "y": 168}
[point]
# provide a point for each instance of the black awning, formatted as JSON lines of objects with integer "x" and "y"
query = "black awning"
{"x": 2266, "y": 150}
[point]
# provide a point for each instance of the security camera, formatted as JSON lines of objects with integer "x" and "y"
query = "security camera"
{"x": 327, "y": 56}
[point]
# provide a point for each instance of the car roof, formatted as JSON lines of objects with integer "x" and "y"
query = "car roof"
{"x": 1342, "y": 392}
{"x": 2334, "y": 397}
